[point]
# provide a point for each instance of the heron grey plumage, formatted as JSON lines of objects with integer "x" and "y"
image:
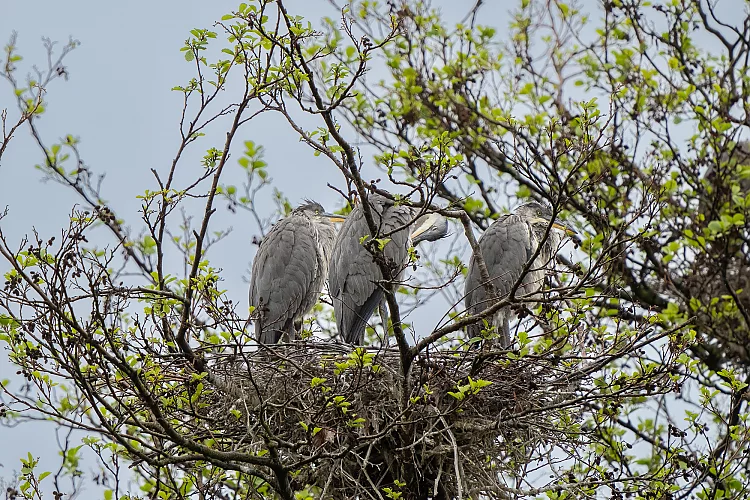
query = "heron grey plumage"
{"x": 506, "y": 246}
{"x": 289, "y": 271}
{"x": 354, "y": 275}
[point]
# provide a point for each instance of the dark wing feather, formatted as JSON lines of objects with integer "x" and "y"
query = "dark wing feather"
{"x": 506, "y": 246}
{"x": 283, "y": 271}
{"x": 353, "y": 274}
{"x": 354, "y": 333}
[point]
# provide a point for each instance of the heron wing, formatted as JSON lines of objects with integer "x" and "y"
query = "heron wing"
{"x": 283, "y": 272}
{"x": 506, "y": 246}
{"x": 353, "y": 274}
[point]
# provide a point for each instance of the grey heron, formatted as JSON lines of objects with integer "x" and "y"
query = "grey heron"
{"x": 354, "y": 275}
{"x": 289, "y": 271}
{"x": 506, "y": 246}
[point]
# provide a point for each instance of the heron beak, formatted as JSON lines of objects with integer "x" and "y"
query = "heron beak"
{"x": 424, "y": 226}
{"x": 334, "y": 217}
{"x": 562, "y": 227}
{"x": 421, "y": 229}
{"x": 557, "y": 225}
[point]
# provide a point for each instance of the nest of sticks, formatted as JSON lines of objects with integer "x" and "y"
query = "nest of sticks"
{"x": 353, "y": 423}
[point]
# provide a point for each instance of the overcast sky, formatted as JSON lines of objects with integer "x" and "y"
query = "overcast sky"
{"x": 118, "y": 102}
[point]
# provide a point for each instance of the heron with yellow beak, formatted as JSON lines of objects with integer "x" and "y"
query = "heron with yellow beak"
{"x": 506, "y": 248}
{"x": 289, "y": 271}
{"x": 355, "y": 278}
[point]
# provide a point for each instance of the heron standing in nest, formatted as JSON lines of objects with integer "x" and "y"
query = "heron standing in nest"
{"x": 506, "y": 247}
{"x": 354, "y": 274}
{"x": 289, "y": 271}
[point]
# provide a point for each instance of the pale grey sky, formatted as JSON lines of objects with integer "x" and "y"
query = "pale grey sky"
{"x": 118, "y": 102}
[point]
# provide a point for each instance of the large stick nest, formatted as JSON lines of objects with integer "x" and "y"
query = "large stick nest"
{"x": 353, "y": 424}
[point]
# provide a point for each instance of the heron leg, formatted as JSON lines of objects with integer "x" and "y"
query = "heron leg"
{"x": 267, "y": 335}
{"x": 383, "y": 312}
{"x": 295, "y": 328}
{"x": 505, "y": 334}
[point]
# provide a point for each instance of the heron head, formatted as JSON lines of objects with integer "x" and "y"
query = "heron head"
{"x": 315, "y": 209}
{"x": 429, "y": 227}
{"x": 539, "y": 215}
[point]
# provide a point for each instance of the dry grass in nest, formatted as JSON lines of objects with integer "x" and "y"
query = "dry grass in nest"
{"x": 350, "y": 422}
